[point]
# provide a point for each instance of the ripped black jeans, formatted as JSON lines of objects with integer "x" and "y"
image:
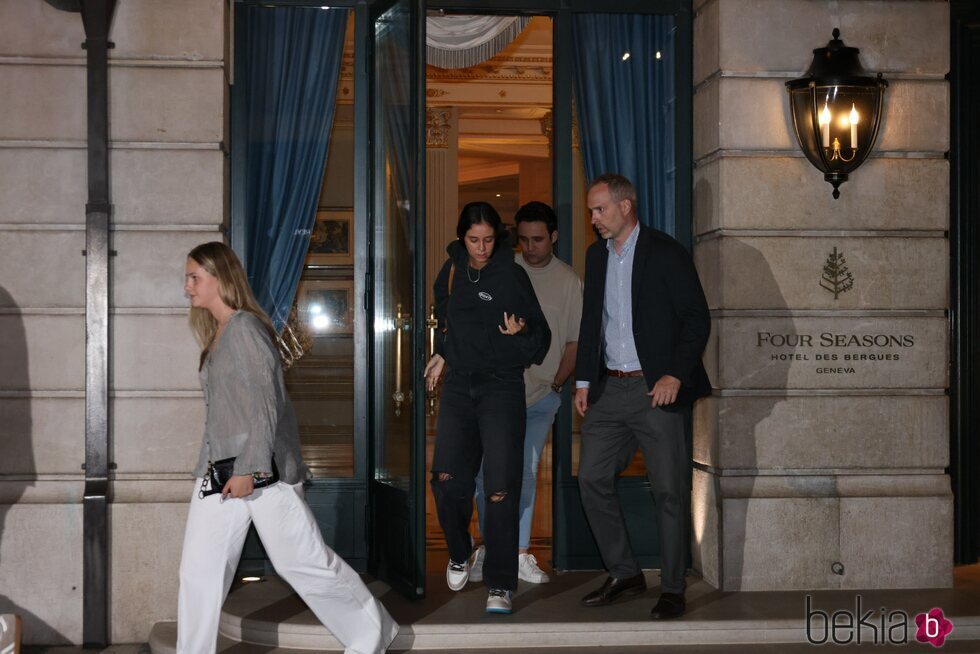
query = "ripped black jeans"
{"x": 481, "y": 418}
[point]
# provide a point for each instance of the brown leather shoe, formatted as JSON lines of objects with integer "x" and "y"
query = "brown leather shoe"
{"x": 669, "y": 606}
{"x": 614, "y": 588}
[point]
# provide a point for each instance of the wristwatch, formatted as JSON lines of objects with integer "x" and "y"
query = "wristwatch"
{"x": 556, "y": 387}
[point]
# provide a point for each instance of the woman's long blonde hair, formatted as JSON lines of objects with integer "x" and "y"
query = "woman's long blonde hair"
{"x": 221, "y": 261}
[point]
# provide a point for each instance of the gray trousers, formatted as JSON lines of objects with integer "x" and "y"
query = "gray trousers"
{"x": 614, "y": 427}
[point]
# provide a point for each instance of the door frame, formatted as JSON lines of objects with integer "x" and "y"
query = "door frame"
{"x": 964, "y": 236}
{"x": 408, "y": 575}
{"x": 571, "y": 549}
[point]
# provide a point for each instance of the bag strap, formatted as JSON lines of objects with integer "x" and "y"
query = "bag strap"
{"x": 452, "y": 273}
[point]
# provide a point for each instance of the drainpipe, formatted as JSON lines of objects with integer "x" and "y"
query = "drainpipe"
{"x": 96, "y": 19}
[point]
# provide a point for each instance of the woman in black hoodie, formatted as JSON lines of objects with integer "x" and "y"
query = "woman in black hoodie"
{"x": 491, "y": 329}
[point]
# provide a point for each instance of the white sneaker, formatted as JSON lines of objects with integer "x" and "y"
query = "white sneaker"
{"x": 528, "y": 570}
{"x": 499, "y": 601}
{"x": 457, "y": 574}
{"x": 476, "y": 564}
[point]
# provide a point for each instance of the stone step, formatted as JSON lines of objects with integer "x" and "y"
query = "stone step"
{"x": 270, "y": 615}
{"x": 164, "y": 636}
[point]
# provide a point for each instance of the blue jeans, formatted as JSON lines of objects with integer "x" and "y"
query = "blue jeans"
{"x": 540, "y": 417}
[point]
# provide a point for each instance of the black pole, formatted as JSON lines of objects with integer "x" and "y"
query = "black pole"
{"x": 964, "y": 451}
{"x": 96, "y": 17}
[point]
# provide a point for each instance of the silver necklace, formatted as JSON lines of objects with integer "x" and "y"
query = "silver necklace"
{"x": 469, "y": 277}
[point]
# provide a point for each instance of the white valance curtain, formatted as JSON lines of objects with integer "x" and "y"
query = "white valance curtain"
{"x": 462, "y": 41}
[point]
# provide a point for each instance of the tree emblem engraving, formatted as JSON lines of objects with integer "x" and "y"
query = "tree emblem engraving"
{"x": 836, "y": 277}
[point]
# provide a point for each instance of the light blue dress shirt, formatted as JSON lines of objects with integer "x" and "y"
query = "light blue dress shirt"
{"x": 617, "y": 308}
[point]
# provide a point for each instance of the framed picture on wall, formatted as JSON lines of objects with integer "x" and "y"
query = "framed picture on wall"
{"x": 326, "y": 306}
{"x": 332, "y": 240}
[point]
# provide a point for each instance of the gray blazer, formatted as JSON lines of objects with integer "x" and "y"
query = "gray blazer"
{"x": 249, "y": 415}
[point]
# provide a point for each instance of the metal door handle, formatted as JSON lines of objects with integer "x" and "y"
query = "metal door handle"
{"x": 403, "y": 323}
{"x": 432, "y": 396}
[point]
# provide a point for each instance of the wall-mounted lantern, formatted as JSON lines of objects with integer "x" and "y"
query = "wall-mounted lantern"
{"x": 836, "y": 111}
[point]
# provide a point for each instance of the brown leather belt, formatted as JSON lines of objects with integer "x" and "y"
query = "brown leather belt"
{"x": 620, "y": 373}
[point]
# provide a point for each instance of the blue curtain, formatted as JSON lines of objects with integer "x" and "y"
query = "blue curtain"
{"x": 290, "y": 73}
{"x": 625, "y": 105}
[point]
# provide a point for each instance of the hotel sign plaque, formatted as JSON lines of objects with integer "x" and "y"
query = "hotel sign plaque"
{"x": 801, "y": 352}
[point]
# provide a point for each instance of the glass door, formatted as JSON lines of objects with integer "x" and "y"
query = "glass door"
{"x": 396, "y": 490}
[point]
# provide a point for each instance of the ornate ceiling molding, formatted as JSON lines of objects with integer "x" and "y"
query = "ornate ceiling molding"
{"x": 525, "y": 69}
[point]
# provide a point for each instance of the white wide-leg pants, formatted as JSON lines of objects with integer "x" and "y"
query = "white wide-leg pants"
{"x": 213, "y": 542}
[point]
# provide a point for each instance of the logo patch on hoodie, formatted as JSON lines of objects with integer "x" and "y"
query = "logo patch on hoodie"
{"x": 486, "y": 297}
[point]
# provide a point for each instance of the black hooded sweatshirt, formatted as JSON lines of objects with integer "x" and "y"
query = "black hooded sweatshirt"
{"x": 471, "y": 312}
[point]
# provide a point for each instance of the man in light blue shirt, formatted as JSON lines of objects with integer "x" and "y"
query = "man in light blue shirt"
{"x": 645, "y": 323}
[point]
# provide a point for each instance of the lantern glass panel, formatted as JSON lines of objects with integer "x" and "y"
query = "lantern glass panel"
{"x": 847, "y": 119}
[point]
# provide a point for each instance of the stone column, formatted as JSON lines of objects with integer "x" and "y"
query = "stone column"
{"x": 441, "y": 188}
{"x": 534, "y": 181}
{"x": 534, "y": 178}
{"x": 820, "y": 458}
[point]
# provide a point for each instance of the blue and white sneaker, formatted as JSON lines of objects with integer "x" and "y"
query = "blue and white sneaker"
{"x": 499, "y": 601}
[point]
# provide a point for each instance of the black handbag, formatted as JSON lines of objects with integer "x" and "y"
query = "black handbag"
{"x": 219, "y": 472}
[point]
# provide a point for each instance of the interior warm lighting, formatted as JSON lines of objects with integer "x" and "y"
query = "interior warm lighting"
{"x": 658, "y": 54}
{"x": 626, "y": 55}
{"x": 248, "y": 580}
{"x": 498, "y": 195}
{"x": 824, "y": 121}
{"x": 853, "y": 119}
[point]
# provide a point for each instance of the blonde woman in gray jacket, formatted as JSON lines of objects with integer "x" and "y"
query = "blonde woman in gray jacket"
{"x": 250, "y": 419}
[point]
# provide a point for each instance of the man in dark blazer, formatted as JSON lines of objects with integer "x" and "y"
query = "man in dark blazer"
{"x": 645, "y": 324}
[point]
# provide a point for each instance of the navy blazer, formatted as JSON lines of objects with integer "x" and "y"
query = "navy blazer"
{"x": 671, "y": 322}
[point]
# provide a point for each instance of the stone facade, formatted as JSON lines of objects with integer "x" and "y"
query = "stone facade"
{"x": 797, "y": 469}
{"x": 828, "y": 434}
{"x": 167, "y": 122}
